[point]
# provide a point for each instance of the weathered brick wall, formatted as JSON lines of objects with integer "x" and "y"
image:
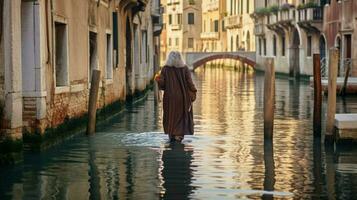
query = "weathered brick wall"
{"x": 68, "y": 105}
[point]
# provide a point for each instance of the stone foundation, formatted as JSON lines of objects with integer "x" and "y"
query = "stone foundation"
{"x": 72, "y": 118}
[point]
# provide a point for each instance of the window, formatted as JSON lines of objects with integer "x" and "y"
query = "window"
{"x": 215, "y": 25}
{"x": 265, "y": 46}
{"x": 348, "y": 45}
{"x": 274, "y": 45}
{"x": 231, "y": 43}
{"x": 169, "y": 41}
{"x": 283, "y": 45}
{"x": 144, "y": 49}
{"x": 241, "y": 7}
{"x": 204, "y": 25}
{"x": 179, "y": 18}
{"x": 177, "y": 41}
{"x": 260, "y": 46}
{"x": 223, "y": 28}
{"x": 115, "y": 39}
{"x": 237, "y": 42}
{"x": 191, "y": 18}
{"x": 93, "y": 55}
{"x": 190, "y": 43}
{"x": 170, "y": 19}
{"x": 308, "y": 45}
{"x": 61, "y": 59}
{"x": 231, "y": 7}
{"x": 248, "y": 6}
{"x": 109, "y": 63}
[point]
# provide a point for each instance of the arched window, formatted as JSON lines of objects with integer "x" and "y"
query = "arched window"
{"x": 260, "y": 46}
{"x": 247, "y": 43}
{"x": 231, "y": 43}
{"x": 237, "y": 42}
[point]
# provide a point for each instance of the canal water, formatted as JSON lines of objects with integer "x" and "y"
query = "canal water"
{"x": 131, "y": 158}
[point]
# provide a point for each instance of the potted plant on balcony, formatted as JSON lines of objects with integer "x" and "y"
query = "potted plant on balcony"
{"x": 310, "y": 4}
{"x": 274, "y": 9}
{"x": 262, "y": 11}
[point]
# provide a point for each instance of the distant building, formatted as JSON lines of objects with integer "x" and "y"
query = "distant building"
{"x": 48, "y": 50}
{"x": 163, "y": 36}
{"x": 240, "y": 25}
{"x": 290, "y": 32}
{"x": 182, "y": 19}
{"x": 214, "y": 35}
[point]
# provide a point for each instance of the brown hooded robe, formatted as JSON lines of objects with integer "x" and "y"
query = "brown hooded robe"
{"x": 178, "y": 89}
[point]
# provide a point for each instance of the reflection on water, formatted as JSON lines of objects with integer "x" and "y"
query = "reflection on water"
{"x": 177, "y": 158}
{"x": 226, "y": 158}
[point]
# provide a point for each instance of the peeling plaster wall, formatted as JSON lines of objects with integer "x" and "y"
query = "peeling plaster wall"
{"x": 40, "y": 103}
{"x": 71, "y": 101}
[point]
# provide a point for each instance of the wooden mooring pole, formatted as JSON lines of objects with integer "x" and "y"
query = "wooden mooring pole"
{"x": 92, "y": 106}
{"x": 317, "y": 96}
{"x": 331, "y": 102}
{"x": 269, "y": 96}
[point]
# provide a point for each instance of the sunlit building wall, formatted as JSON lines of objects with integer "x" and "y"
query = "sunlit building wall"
{"x": 183, "y": 25}
{"x": 213, "y": 34}
{"x": 239, "y": 25}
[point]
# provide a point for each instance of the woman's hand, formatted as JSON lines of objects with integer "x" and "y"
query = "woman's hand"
{"x": 157, "y": 77}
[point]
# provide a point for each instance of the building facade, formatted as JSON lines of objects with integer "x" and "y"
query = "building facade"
{"x": 182, "y": 25}
{"x": 49, "y": 49}
{"x": 290, "y": 32}
{"x": 338, "y": 31}
{"x": 213, "y": 34}
{"x": 240, "y": 25}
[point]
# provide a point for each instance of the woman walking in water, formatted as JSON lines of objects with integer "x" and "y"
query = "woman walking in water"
{"x": 179, "y": 94}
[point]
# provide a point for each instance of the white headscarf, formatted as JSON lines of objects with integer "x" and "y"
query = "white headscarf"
{"x": 174, "y": 59}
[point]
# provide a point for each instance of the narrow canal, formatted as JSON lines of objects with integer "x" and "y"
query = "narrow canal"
{"x": 131, "y": 159}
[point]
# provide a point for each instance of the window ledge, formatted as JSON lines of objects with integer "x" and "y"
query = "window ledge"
{"x": 109, "y": 81}
{"x": 34, "y": 94}
{"x": 77, "y": 88}
{"x": 62, "y": 89}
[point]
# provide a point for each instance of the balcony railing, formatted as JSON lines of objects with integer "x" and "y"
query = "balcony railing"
{"x": 286, "y": 15}
{"x": 210, "y": 35}
{"x": 235, "y": 21}
{"x": 157, "y": 10}
{"x": 211, "y": 6}
{"x": 310, "y": 14}
{"x": 272, "y": 19}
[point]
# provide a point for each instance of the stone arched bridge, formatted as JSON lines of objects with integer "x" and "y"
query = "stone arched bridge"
{"x": 196, "y": 59}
